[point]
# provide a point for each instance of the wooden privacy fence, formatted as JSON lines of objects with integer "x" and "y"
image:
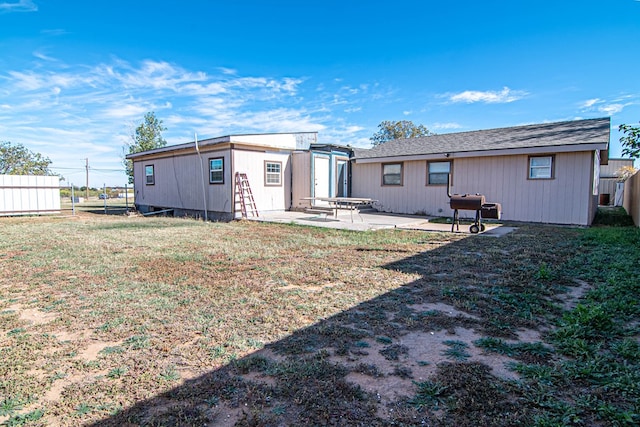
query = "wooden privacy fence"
{"x": 631, "y": 200}
{"x": 29, "y": 195}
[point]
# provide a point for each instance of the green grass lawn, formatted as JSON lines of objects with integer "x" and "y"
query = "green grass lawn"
{"x": 110, "y": 320}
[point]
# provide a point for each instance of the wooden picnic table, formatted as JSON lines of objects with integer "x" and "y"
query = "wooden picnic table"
{"x": 335, "y": 203}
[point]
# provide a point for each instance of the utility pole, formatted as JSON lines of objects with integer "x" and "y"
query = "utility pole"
{"x": 73, "y": 201}
{"x": 86, "y": 191}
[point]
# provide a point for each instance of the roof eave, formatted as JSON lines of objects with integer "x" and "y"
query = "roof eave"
{"x": 488, "y": 153}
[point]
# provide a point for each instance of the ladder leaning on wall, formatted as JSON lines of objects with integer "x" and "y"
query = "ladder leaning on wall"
{"x": 243, "y": 191}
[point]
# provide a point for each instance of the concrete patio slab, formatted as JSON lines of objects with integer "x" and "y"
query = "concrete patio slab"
{"x": 374, "y": 221}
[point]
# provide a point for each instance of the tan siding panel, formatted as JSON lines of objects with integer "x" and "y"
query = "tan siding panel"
{"x": 267, "y": 197}
{"x": 178, "y": 183}
{"x": 565, "y": 199}
{"x": 631, "y": 200}
{"x": 301, "y": 183}
{"x": 613, "y": 166}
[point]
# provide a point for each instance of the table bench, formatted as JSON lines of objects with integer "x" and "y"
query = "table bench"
{"x": 336, "y": 203}
{"x": 322, "y": 210}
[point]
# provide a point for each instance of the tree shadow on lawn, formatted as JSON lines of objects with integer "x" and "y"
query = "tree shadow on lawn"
{"x": 404, "y": 358}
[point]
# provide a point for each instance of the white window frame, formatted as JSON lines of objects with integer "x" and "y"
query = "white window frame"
{"x": 539, "y": 170}
{"x": 272, "y": 178}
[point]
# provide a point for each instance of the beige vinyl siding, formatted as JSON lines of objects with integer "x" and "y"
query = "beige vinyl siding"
{"x": 631, "y": 199}
{"x": 608, "y": 186}
{"x": 267, "y": 197}
{"x": 301, "y": 185}
{"x": 565, "y": 199}
{"x": 609, "y": 170}
{"x": 413, "y": 197}
{"x": 609, "y": 178}
{"x": 178, "y": 183}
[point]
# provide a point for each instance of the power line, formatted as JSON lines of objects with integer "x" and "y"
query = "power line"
{"x": 93, "y": 169}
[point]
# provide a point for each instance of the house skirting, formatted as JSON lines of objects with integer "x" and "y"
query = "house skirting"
{"x": 187, "y": 213}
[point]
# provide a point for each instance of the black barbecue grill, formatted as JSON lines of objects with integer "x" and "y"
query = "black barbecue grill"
{"x": 472, "y": 202}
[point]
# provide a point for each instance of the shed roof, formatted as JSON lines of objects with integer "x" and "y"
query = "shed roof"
{"x": 287, "y": 141}
{"x": 568, "y": 133}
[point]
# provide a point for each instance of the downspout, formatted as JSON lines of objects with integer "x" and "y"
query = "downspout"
{"x": 204, "y": 192}
{"x": 350, "y": 164}
{"x": 290, "y": 181}
{"x": 233, "y": 180}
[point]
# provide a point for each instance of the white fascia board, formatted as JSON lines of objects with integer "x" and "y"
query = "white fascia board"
{"x": 488, "y": 153}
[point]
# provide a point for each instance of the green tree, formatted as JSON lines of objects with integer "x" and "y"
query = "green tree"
{"x": 16, "y": 159}
{"x": 630, "y": 140}
{"x": 147, "y": 136}
{"x": 390, "y": 130}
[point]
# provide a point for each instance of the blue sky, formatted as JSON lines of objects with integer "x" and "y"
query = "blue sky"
{"x": 77, "y": 76}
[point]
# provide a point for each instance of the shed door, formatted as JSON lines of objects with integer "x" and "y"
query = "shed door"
{"x": 320, "y": 178}
{"x": 341, "y": 178}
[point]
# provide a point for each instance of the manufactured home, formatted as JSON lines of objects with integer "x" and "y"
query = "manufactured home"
{"x": 546, "y": 173}
{"x": 200, "y": 179}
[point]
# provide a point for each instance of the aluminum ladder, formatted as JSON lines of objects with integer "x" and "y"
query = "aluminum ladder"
{"x": 243, "y": 191}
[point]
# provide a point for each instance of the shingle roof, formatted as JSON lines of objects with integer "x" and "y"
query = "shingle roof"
{"x": 575, "y": 132}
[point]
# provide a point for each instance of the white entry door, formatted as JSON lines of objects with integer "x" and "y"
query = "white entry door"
{"x": 341, "y": 178}
{"x": 320, "y": 178}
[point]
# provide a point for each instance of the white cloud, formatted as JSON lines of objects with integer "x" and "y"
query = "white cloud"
{"x": 20, "y": 6}
{"x": 590, "y": 103}
{"x": 278, "y": 120}
{"x": 353, "y": 129}
{"x": 611, "y": 109}
{"x": 445, "y": 126}
{"x": 42, "y": 56}
{"x": 506, "y": 95}
{"x": 28, "y": 81}
{"x": 76, "y": 111}
{"x": 608, "y": 106}
{"x": 151, "y": 74}
{"x": 33, "y": 81}
{"x": 126, "y": 111}
{"x": 361, "y": 142}
{"x": 228, "y": 71}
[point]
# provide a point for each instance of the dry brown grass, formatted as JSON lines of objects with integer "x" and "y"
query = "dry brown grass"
{"x": 116, "y": 321}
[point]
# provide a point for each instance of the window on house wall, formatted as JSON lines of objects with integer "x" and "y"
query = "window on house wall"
{"x": 149, "y": 175}
{"x": 438, "y": 172}
{"x": 216, "y": 171}
{"x": 540, "y": 167}
{"x": 392, "y": 174}
{"x": 272, "y": 173}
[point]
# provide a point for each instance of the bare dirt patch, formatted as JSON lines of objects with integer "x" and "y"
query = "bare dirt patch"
{"x": 93, "y": 349}
{"x": 33, "y": 316}
{"x": 572, "y": 297}
{"x": 64, "y": 336}
{"x": 447, "y": 309}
